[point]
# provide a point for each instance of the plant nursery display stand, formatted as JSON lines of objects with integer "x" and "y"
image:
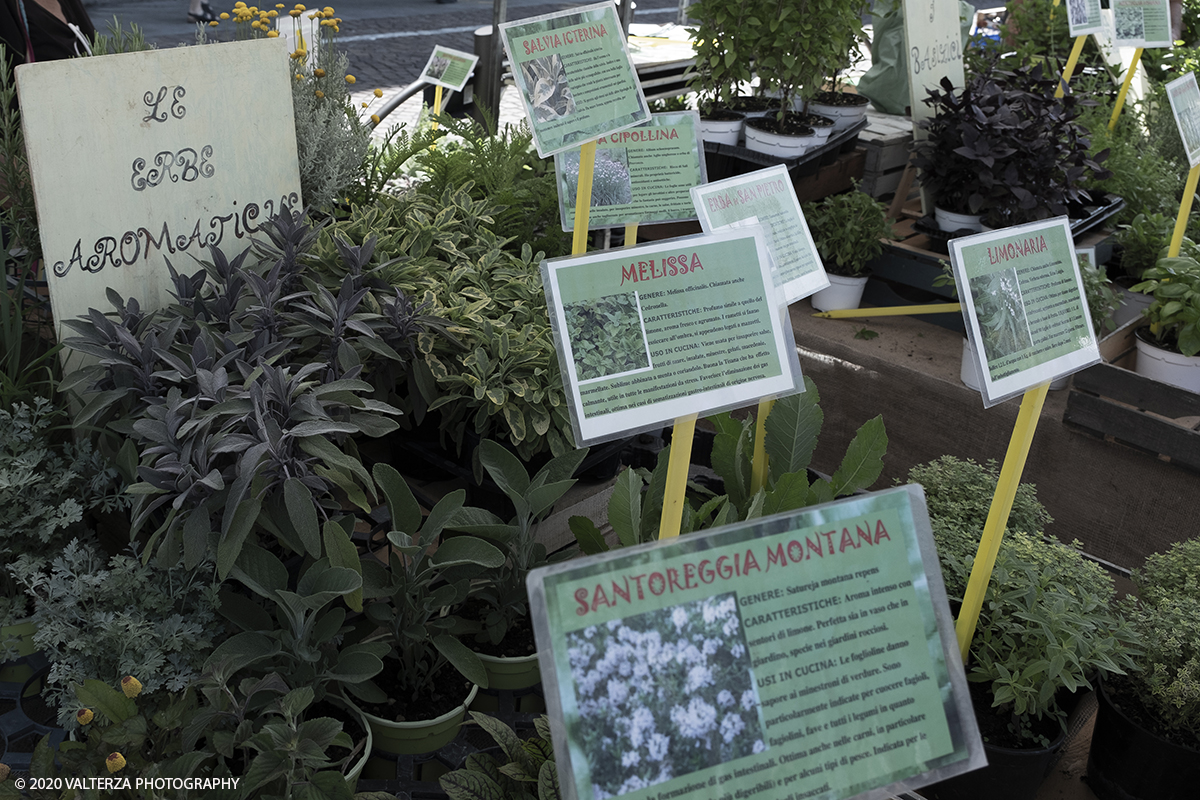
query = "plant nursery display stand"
{"x": 1122, "y": 502}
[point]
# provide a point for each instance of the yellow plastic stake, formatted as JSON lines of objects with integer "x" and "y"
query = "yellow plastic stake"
{"x": 1137, "y": 56}
{"x": 677, "y": 472}
{"x": 583, "y": 197}
{"x": 631, "y": 234}
{"x": 1185, "y": 208}
{"x": 758, "y": 467}
{"x": 437, "y": 106}
{"x": 997, "y": 519}
{"x": 892, "y": 311}
{"x": 1072, "y": 60}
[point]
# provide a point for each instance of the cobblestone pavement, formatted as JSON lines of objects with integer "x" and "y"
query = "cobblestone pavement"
{"x": 388, "y": 41}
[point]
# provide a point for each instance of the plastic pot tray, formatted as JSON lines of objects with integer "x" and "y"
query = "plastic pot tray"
{"x": 833, "y": 146}
{"x": 15, "y": 725}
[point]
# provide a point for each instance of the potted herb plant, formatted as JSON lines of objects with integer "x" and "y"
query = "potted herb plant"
{"x": 1048, "y": 628}
{"x": 505, "y": 644}
{"x": 849, "y": 230}
{"x": 1146, "y": 742}
{"x": 417, "y": 582}
{"x": 46, "y": 487}
{"x": 1167, "y": 350}
{"x": 1007, "y": 148}
{"x": 797, "y": 48}
{"x": 722, "y": 37}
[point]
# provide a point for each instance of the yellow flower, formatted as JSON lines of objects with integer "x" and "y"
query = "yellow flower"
{"x": 224, "y": 15}
{"x": 131, "y": 686}
{"x": 364, "y": 105}
{"x": 280, "y": 5}
{"x": 350, "y": 79}
{"x": 84, "y": 715}
{"x": 299, "y": 7}
{"x": 375, "y": 118}
{"x": 253, "y": 9}
{"x": 256, "y": 24}
{"x": 320, "y": 73}
{"x": 272, "y": 14}
{"x": 239, "y": 4}
{"x": 378, "y": 93}
{"x": 272, "y": 34}
{"x": 320, "y": 93}
{"x": 299, "y": 77}
{"x": 115, "y": 762}
{"x": 328, "y": 10}
{"x": 213, "y": 24}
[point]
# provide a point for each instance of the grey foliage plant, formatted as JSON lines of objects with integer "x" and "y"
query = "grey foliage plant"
{"x": 792, "y": 429}
{"x": 107, "y": 617}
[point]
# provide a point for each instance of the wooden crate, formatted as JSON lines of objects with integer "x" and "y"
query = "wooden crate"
{"x": 886, "y": 141}
{"x": 1112, "y": 401}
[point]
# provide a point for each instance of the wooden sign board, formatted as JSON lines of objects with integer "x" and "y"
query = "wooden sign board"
{"x": 933, "y": 42}
{"x": 139, "y": 158}
{"x": 809, "y": 654}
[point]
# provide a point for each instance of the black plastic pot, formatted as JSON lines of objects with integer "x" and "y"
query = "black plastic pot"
{"x": 1128, "y": 762}
{"x": 18, "y": 733}
{"x": 1009, "y": 775}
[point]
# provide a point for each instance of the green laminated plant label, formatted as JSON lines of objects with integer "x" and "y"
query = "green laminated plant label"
{"x": 806, "y": 655}
{"x": 449, "y": 68}
{"x": 1184, "y": 95}
{"x": 641, "y": 174}
{"x": 1141, "y": 23}
{"x": 1024, "y": 304}
{"x": 575, "y": 76}
{"x": 767, "y": 197}
{"x": 652, "y": 333}
{"x": 1083, "y": 17}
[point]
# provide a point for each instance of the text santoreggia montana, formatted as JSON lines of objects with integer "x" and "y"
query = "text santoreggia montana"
{"x": 692, "y": 574}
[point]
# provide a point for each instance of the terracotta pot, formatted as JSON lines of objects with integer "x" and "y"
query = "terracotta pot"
{"x": 1128, "y": 762}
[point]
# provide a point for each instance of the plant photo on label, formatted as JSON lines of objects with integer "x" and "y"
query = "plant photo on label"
{"x": 606, "y": 336}
{"x": 1001, "y": 317}
{"x": 549, "y": 92}
{"x": 611, "y": 182}
{"x": 663, "y": 694}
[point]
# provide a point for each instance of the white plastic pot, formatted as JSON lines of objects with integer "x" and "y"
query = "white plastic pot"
{"x": 843, "y": 116}
{"x": 721, "y": 131}
{"x": 778, "y": 144}
{"x": 950, "y": 221}
{"x": 1167, "y": 366}
{"x": 842, "y": 292}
